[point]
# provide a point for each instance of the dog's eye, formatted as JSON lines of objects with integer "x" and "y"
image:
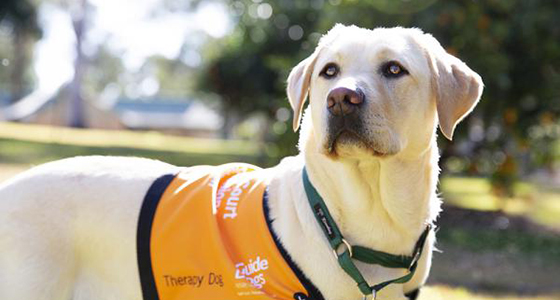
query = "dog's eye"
{"x": 329, "y": 71}
{"x": 393, "y": 69}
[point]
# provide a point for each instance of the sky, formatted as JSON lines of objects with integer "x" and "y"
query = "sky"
{"x": 135, "y": 32}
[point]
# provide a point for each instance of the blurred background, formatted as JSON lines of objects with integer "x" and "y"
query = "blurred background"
{"x": 202, "y": 82}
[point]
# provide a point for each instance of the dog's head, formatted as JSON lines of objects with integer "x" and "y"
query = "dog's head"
{"x": 377, "y": 93}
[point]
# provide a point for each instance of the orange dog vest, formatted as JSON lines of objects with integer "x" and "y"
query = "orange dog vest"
{"x": 204, "y": 234}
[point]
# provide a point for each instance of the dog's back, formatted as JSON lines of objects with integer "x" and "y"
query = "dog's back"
{"x": 59, "y": 223}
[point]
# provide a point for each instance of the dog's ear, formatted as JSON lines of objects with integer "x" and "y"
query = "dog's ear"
{"x": 298, "y": 86}
{"x": 456, "y": 87}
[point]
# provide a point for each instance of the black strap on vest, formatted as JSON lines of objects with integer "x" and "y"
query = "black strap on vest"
{"x": 143, "y": 235}
{"x": 312, "y": 292}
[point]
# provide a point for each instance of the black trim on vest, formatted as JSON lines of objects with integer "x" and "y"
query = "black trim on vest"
{"x": 143, "y": 235}
{"x": 312, "y": 291}
{"x": 413, "y": 295}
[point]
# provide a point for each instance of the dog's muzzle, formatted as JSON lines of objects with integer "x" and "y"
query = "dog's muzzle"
{"x": 344, "y": 120}
{"x": 343, "y": 101}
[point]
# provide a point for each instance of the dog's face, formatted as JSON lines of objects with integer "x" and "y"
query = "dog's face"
{"x": 380, "y": 93}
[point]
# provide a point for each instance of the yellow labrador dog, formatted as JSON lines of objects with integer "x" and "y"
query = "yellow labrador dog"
{"x": 368, "y": 143}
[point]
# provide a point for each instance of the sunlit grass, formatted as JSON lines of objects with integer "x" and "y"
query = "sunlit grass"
{"x": 440, "y": 292}
{"x": 149, "y": 140}
{"x": 541, "y": 205}
{"x": 36, "y": 144}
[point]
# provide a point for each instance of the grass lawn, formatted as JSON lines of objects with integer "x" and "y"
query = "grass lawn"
{"x": 146, "y": 140}
{"x": 541, "y": 205}
{"x": 35, "y": 144}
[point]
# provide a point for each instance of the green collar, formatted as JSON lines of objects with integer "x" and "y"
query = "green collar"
{"x": 344, "y": 252}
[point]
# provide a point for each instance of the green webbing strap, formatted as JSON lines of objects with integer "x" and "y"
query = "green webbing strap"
{"x": 322, "y": 214}
{"x": 363, "y": 254}
{"x": 387, "y": 260}
{"x": 346, "y": 263}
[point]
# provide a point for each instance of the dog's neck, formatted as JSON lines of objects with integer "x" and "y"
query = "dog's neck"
{"x": 383, "y": 204}
{"x": 362, "y": 194}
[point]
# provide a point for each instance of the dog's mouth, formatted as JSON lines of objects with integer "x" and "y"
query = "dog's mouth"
{"x": 349, "y": 137}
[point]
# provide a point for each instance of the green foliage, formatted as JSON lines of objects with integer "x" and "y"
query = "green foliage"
{"x": 18, "y": 30}
{"x": 21, "y": 14}
{"x": 249, "y": 73}
{"x": 103, "y": 68}
{"x": 176, "y": 80}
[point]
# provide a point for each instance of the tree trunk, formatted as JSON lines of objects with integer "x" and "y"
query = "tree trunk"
{"x": 19, "y": 65}
{"x": 77, "y": 114}
{"x": 231, "y": 118}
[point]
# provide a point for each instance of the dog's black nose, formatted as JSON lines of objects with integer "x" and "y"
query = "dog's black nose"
{"x": 343, "y": 101}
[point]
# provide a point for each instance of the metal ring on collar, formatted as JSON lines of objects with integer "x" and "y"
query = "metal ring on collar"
{"x": 338, "y": 253}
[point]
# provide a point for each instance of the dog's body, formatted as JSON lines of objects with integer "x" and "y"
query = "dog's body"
{"x": 69, "y": 227}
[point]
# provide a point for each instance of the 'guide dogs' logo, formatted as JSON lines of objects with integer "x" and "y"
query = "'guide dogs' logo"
{"x": 248, "y": 271}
